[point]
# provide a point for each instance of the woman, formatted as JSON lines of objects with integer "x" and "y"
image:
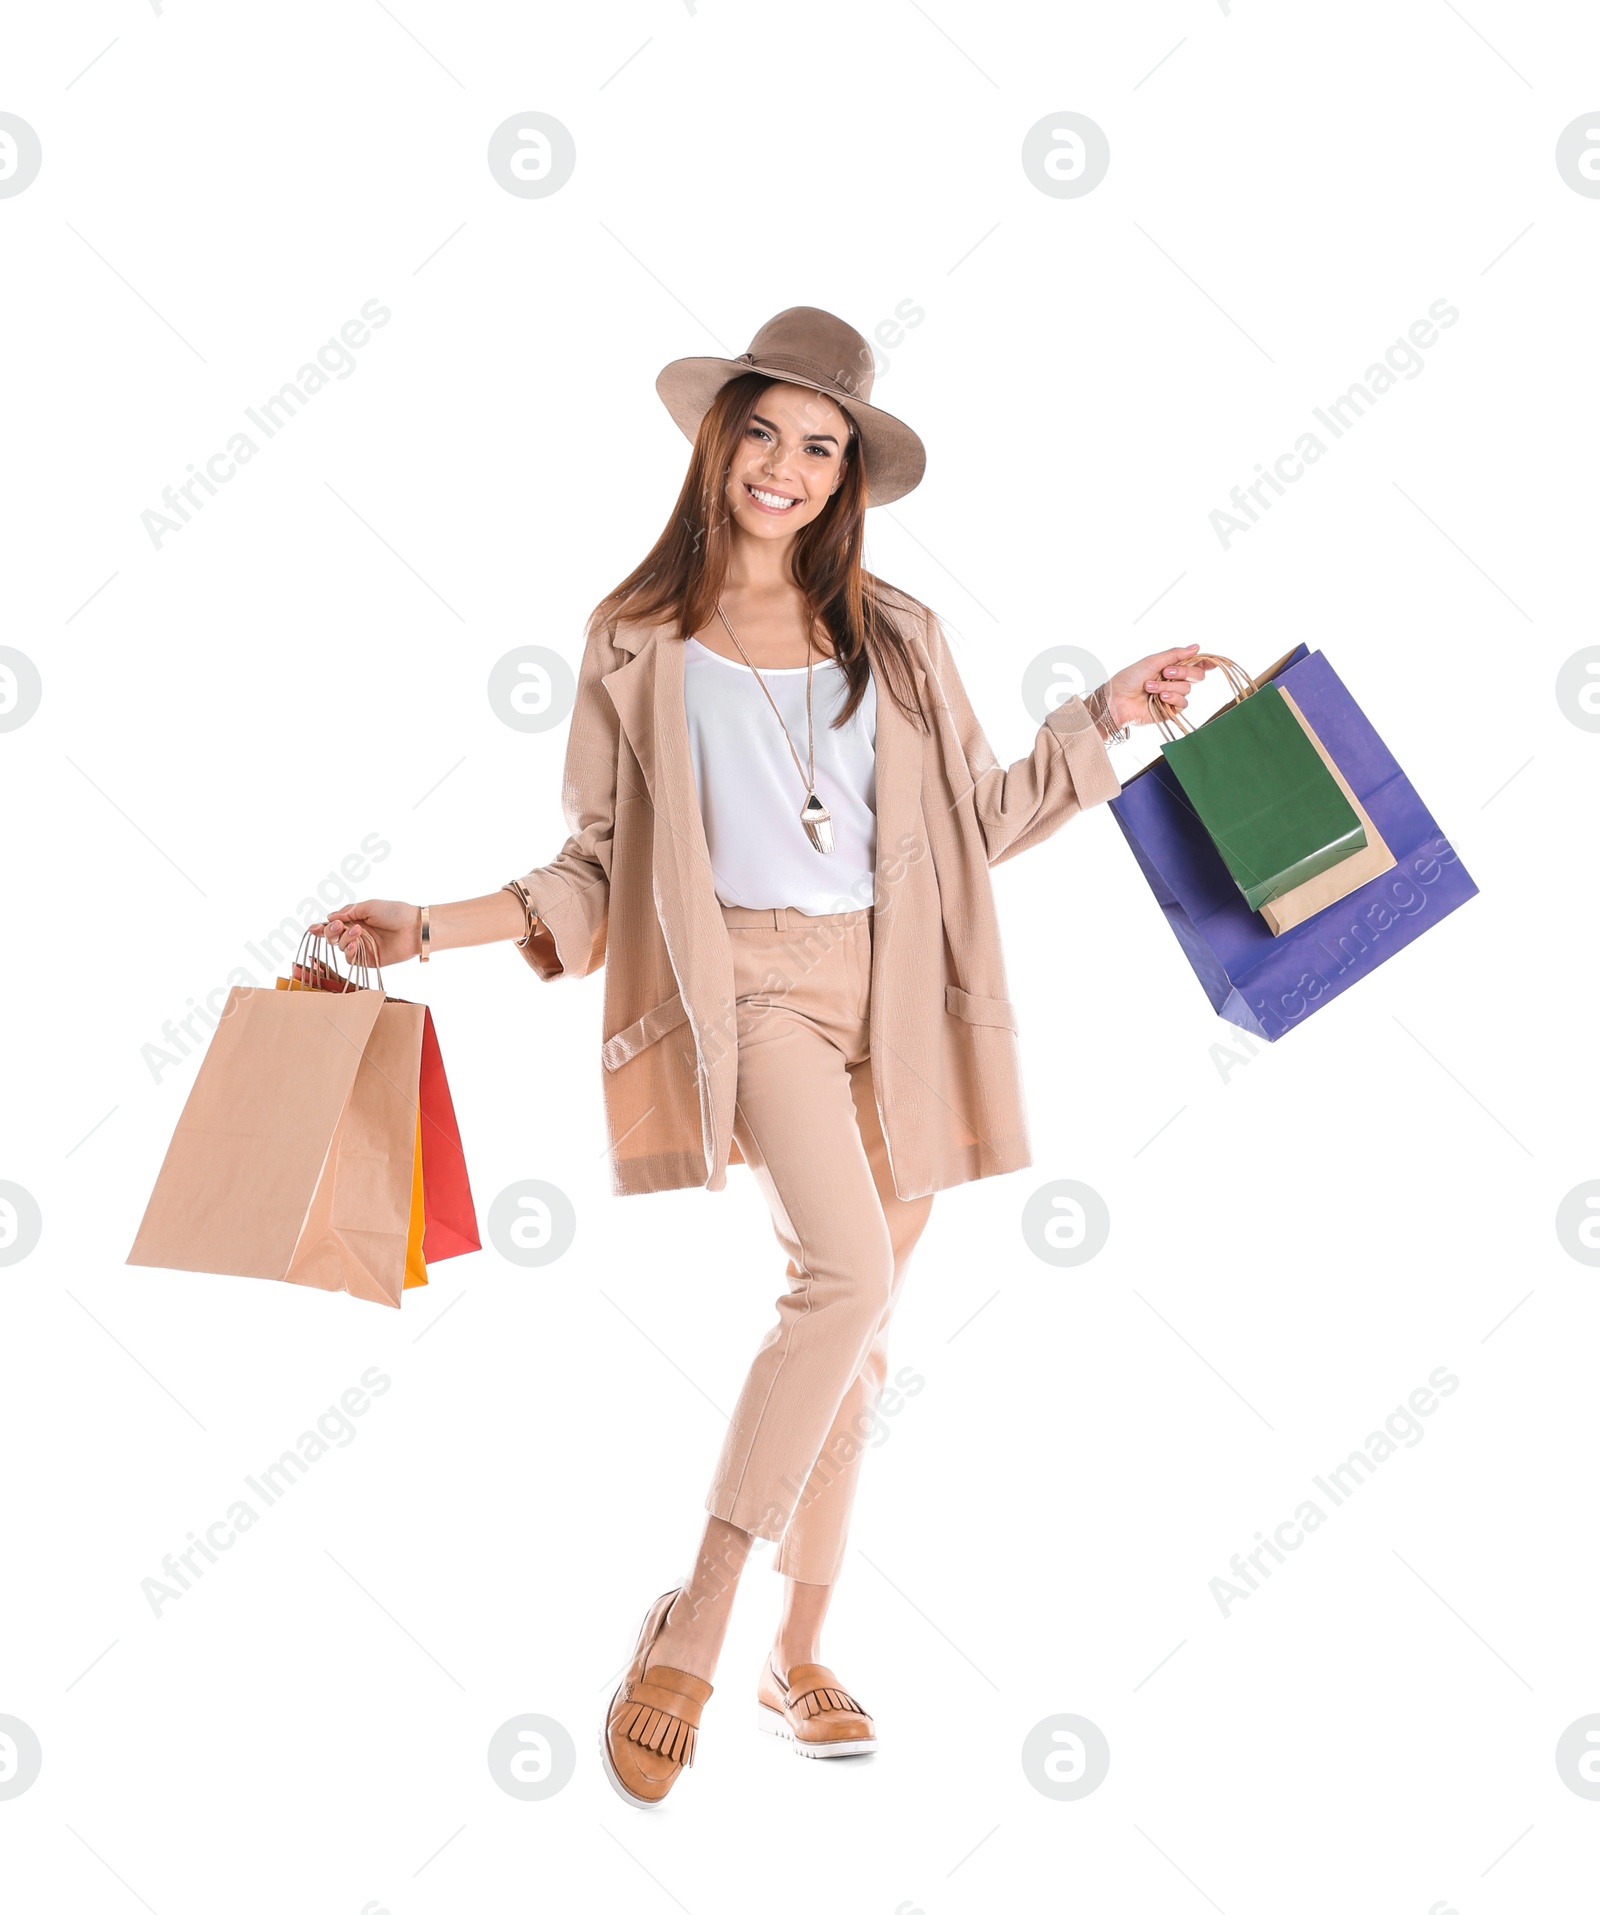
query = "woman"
{"x": 782, "y": 813}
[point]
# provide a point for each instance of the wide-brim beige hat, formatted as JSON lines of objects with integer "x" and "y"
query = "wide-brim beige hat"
{"x": 805, "y": 346}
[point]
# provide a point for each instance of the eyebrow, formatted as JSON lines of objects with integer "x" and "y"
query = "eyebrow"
{"x": 756, "y": 416}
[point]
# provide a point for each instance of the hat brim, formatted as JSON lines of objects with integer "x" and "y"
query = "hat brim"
{"x": 895, "y": 457}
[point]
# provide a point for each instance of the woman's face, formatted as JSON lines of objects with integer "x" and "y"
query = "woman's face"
{"x": 791, "y": 461}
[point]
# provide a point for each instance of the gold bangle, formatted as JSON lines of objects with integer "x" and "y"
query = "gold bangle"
{"x": 424, "y": 953}
{"x": 1099, "y": 704}
{"x": 530, "y": 916}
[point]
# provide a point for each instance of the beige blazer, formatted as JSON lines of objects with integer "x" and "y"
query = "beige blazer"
{"x": 632, "y": 889}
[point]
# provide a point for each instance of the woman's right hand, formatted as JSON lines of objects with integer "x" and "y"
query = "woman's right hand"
{"x": 396, "y": 929}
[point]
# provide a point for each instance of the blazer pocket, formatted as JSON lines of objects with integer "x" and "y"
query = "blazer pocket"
{"x": 644, "y": 1031}
{"x": 979, "y": 1010}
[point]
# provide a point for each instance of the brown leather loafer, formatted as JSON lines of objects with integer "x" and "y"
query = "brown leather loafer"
{"x": 813, "y": 1712}
{"x": 652, "y": 1722}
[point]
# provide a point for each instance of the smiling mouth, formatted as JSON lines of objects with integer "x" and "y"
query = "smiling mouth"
{"x": 773, "y": 501}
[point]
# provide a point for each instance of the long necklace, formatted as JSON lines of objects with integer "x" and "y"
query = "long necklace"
{"x": 814, "y": 814}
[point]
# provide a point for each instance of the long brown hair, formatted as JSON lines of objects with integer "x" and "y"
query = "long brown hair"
{"x": 681, "y": 577}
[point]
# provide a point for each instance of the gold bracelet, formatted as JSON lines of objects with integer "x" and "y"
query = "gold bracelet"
{"x": 1099, "y": 704}
{"x": 530, "y": 916}
{"x": 424, "y": 953}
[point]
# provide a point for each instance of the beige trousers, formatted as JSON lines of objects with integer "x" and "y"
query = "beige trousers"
{"x": 807, "y": 1123}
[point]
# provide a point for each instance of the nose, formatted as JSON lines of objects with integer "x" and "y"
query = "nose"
{"x": 776, "y": 460}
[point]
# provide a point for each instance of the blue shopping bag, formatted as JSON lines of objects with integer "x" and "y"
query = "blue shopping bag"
{"x": 1265, "y": 984}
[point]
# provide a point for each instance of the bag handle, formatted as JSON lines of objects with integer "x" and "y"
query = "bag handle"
{"x": 369, "y": 971}
{"x": 317, "y": 969}
{"x": 1239, "y": 682}
{"x": 323, "y": 973}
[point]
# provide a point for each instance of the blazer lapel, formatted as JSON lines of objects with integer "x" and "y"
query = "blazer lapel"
{"x": 898, "y": 805}
{"x": 631, "y": 686}
{"x": 648, "y": 695}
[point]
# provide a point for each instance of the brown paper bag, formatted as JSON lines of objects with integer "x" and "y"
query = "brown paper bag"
{"x": 294, "y": 1155}
{"x": 359, "y": 1222}
{"x": 1316, "y": 894}
{"x": 305, "y": 978}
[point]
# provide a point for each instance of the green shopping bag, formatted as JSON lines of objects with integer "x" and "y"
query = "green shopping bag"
{"x": 1259, "y": 786}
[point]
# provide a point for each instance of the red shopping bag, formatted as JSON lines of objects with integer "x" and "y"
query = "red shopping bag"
{"x": 452, "y": 1218}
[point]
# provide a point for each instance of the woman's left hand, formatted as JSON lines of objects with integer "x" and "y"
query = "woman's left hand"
{"x": 1168, "y": 673}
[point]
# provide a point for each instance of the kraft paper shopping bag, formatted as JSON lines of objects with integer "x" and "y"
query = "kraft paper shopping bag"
{"x": 359, "y": 1222}
{"x": 310, "y": 977}
{"x": 1317, "y": 893}
{"x": 250, "y": 1163}
{"x": 451, "y": 1219}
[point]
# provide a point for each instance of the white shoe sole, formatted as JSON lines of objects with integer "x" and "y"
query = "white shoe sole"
{"x": 773, "y": 1722}
{"x": 627, "y": 1794}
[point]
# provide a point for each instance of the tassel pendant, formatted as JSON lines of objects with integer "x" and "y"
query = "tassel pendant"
{"x": 816, "y": 818}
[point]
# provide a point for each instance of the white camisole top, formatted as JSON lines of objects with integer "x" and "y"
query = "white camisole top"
{"x": 751, "y": 793}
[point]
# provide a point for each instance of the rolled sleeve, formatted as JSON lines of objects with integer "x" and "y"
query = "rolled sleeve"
{"x": 1088, "y": 757}
{"x": 572, "y": 894}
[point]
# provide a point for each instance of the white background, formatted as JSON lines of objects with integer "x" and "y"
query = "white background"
{"x": 1314, "y": 1229}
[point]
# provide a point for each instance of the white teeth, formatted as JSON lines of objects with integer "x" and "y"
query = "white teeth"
{"x": 771, "y": 498}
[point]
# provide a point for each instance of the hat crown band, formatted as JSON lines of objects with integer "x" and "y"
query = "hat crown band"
{"x": 848, "y": 384}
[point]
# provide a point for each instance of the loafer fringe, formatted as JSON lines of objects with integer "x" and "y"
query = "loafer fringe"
{"x": 659, "y": 1730}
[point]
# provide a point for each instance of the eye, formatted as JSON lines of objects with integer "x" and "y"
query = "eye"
{"x": 757, "y": 431}
{"x": 825, "y": 451}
